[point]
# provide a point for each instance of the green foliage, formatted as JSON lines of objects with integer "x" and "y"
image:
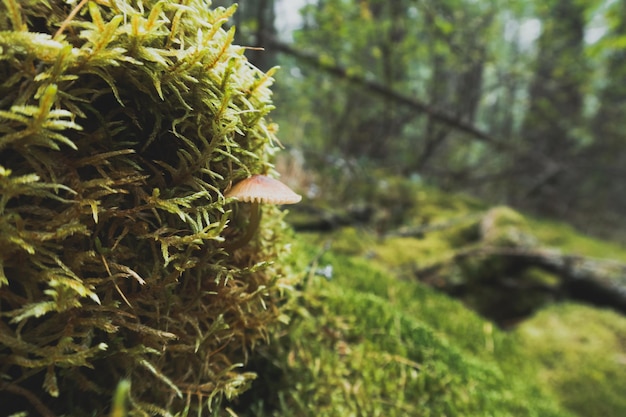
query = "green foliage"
{"x": 434, "y": 51}
{"x": 122, "y": 123}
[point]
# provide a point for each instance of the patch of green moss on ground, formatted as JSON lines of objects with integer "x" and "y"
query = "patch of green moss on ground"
{"x": 583, "y": 355}
{"x": 369, "y": 344}
{"x": 447, "y": 316}
{"x": 375, "y": 360}
{"x": 577, "y": 353}
{"x": 350, "y": 241}
{"x": 374, "y": 341}
{"x": 433, "y": 205}
{"x": 568, "y": 239}
{"x": 395, "y": 251}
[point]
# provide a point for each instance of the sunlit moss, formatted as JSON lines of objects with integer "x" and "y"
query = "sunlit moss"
{"x": 503, "y": 226}
{"x": 396, "y": 251}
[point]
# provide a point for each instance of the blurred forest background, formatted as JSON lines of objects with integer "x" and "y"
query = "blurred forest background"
{"x": 516, "y": 102}
{"x": 390, "y": 110}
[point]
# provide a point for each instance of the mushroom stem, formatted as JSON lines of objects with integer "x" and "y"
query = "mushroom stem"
{"x": 253, "y": 225}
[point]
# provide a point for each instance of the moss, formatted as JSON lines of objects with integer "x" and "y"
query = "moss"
{"x": 122, "y": 125}
{"x": 503, "y": 226}
{"x": 568, "y": 239}
{"x": 369, "y": 344}
{"x": 540, "y": 277}
{"x": 397, "y": 251}
{"x": 433, "y": 205}
{"x": 575, "y": 353}
{"x": 351, "y": 241}
{"x": 583, "y": 351}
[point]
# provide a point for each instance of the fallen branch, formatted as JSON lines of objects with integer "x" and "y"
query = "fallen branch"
{"x": 376, "y": 87}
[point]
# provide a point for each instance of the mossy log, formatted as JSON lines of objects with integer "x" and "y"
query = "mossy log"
{"x": 598, "y": 281}
{"x": 502, "y": 273}
{"x": 499, "y": 271}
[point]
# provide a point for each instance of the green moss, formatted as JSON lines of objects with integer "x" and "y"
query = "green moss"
{"x": 351, "y": 241}
{"x": 505, "y": 216}
{"x": 368, "y": 344}
{"x": 575, "y": 353}
{"x": 434, "y": 205}
{"x": 570, "y": 240}
{"x": 583, "y": 353}
{"x": 537, "y": 276}
{"x": 122, "y": 125}
{"x": 397, "y": 251}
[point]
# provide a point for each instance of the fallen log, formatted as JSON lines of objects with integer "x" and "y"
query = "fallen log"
{"x": 601, "y": 282}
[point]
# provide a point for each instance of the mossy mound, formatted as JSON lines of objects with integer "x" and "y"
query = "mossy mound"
{"x": 503, "y": 264}
{"x": 582, "y": 351}
{"x": 122, "y": 124}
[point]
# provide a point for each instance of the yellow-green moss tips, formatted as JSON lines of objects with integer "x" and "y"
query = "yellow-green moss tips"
{"x": 121, "y": 123}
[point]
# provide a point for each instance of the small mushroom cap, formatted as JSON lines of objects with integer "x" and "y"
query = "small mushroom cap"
{"x": 263, "y": 189}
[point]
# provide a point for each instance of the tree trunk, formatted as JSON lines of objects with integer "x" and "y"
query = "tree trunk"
{"x": 555, "y": 110}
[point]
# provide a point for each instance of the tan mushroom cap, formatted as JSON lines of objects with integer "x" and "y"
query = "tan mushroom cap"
{"x": 263, "y": 189}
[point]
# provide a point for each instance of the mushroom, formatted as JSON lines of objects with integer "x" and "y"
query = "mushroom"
{"x": 259, "y": 189}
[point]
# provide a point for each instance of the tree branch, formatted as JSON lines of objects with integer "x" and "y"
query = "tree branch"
{"x": 420, "y": 106}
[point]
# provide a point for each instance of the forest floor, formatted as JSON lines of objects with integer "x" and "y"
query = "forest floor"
{"x": 445, "y": 306}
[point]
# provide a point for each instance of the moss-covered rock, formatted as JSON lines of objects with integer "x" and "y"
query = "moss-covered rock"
{"x": 122, "y": 124}
{"x": 505, "y": 227}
